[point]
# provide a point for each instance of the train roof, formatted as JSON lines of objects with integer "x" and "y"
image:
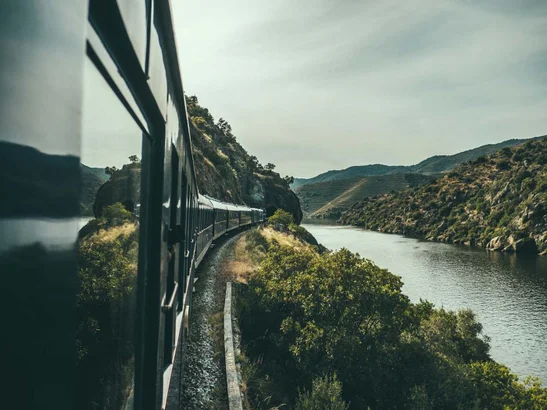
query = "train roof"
{"x": 203, "y": 200}
{"x": 216, "y": 204}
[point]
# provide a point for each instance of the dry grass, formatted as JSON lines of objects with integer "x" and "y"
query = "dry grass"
{"x": 111, "y": 234}
{"x": 240, "y": 267}
{"x": 282, "y": 238}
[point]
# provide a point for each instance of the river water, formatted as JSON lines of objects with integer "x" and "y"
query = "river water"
{"x": 507, "y": 292}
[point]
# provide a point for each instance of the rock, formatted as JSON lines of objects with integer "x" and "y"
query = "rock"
{"x": 495, "y": 244}
{"x": 523, "y": 245}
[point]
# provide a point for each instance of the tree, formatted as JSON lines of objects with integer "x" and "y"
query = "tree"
{"x": 253, "y": 163}
{"x": 269, "y": 166}
{"x": 110, "y": 170}
{"x": 224, "y": 127}
{"x": 134, "y": 159}
{"x": 288, "y": 179}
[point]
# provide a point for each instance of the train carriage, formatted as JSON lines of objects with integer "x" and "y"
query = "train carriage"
{"x": 205, "y": 227}
{"x": 245, "y": 218}
{"x": 233, "y": 216}
{"x": 220, "y": 218}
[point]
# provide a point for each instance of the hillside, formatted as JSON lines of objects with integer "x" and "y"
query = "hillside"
{"x": 433, "y": 165}
{"x": 224, "y": 170}
{"x": 498, "y": 202}
{"x": 35, "y": 184}
{"x": 329, "y": 199}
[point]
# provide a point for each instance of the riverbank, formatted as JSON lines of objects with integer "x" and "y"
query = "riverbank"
{"x": 507, "y": 292}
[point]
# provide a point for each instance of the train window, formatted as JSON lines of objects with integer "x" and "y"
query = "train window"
{"x": 108, "y": 248}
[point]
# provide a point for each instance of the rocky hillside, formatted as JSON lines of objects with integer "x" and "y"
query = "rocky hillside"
{"x": 223, "y": 168}
{"x": 226, "y": 171}
{"x": 430, "y": 166}
{"x": 329, "y": 199}
{"x": 498, "y": 201}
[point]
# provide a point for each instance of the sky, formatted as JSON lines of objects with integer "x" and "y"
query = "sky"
{"x": 313, "y": 85}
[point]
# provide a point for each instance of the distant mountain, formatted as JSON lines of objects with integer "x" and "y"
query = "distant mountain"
{"x": 98, "y": 172}
{"x": 497, "y": 201}
{"x": 433, "y": 165}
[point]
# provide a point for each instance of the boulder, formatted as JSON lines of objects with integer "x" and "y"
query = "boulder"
{"x": 495, "y": 244}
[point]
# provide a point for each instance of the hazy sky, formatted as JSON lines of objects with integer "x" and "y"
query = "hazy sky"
{"x": 324, "y": 84}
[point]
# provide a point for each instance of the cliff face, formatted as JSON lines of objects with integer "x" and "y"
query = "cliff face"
{"x": 226, "y": 171}
{"x": 223, "y": 168}
{"x": 498, "y": 202}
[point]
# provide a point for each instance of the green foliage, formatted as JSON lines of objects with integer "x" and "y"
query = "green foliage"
{"x": 502, "y": 164}
{"x": 107, "y": 271}
{"x": 281, "y": 219}
{"x": 306, "y": 315}
{"x": 326, "y": 394}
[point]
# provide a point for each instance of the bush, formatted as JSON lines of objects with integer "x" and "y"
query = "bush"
{"x": 326, "y": 394}
{"x": 281, "y": 219}
{"x": 503, "y": 165}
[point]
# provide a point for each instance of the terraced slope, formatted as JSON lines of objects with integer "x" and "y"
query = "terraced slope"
{"x": 329, "y": 199}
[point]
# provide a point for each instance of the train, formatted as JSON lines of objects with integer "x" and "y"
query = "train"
{"x": 95, "y": 126}
{"x": 217, "y": 218}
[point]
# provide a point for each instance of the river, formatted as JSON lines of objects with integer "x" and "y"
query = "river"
{"x": 507, "y": 292}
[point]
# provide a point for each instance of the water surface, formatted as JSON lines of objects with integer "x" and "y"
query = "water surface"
{"x": 507, "y": 292}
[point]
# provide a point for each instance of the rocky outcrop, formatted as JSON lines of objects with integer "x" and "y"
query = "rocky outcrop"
{"x": 498, "y": 202}
{"x": 226, "y": 171}
{"x": 123, "y": 186}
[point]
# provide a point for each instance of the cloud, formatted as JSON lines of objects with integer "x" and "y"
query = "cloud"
{"x": 373, "y": 81}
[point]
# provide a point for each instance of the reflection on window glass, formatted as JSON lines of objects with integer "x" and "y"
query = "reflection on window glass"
{"x": 107, "y": 248}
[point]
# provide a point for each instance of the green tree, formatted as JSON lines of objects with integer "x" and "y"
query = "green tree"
{"x": 281, "y": 219}
{"x": 111, "y": 171}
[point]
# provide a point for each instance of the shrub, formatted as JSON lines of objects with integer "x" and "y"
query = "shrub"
{"x": 281, "y": 219}
{"x": 326, "y": 394}
{"x": 502, "y": 165}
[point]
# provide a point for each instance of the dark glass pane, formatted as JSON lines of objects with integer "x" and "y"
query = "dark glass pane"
{"x": 107, "y": 248}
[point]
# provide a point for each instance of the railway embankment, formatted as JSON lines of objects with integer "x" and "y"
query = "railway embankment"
{"x": 329, "y": 329}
